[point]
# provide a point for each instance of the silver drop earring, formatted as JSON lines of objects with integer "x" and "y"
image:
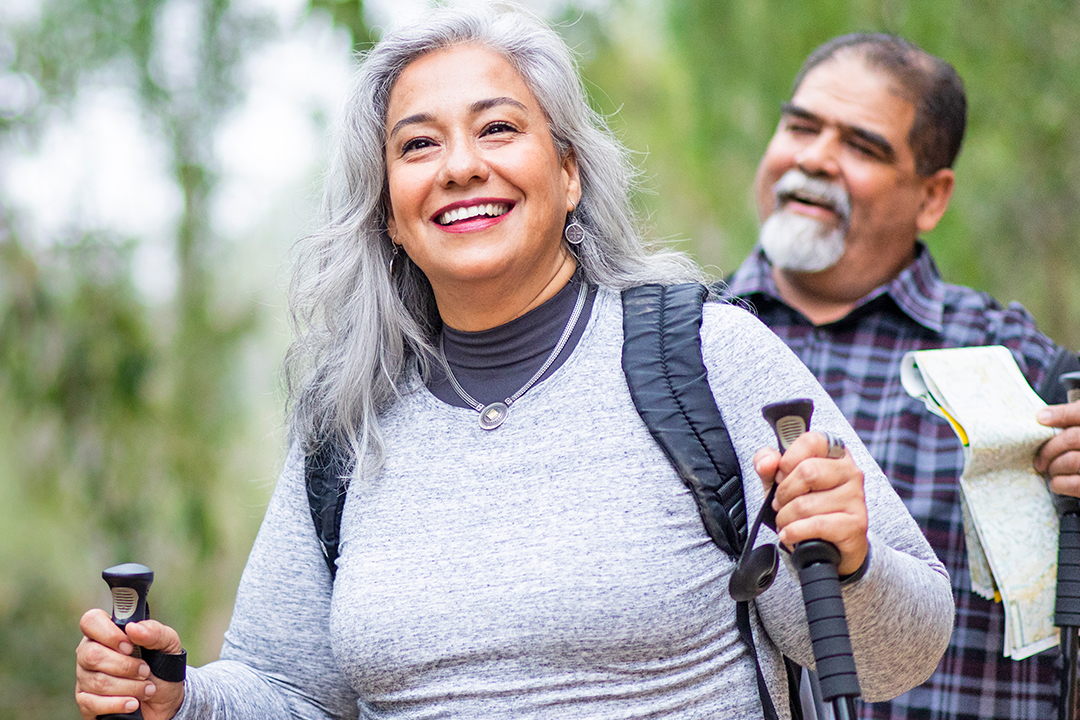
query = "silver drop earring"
{"x": 574, "y": 232}
{"x": 394, "y": 257}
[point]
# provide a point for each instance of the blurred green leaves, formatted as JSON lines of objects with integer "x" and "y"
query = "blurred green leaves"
{"x": 348, "y": 14}
{"x": 120, "y": 417}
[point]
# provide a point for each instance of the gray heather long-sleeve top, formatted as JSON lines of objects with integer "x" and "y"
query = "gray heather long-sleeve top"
{"x": 555, "y": 567}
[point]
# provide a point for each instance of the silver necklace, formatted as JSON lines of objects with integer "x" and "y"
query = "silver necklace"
{"x": 493, "y": 414}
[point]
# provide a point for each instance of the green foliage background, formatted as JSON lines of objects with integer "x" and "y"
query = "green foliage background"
{"x": 696, "y": 86}
{"x": 137, "y": 431}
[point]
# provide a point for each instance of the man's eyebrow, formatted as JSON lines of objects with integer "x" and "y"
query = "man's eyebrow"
{"x": 884, "y": 147}
{"x": 477, "y": 107}
{"x": 793, "y": 109}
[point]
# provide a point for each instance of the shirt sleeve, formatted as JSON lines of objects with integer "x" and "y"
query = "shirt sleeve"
{"x": 1039, "y": 358}
{"x": 277, "y": 660}
{"x": 900, "y": 612}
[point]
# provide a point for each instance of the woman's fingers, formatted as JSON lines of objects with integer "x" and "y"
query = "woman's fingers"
{"x": 96, "y": 625}
{"x": 155, "y": 636}
{"x": 91, "y": 706}
{"x": 93, "y": 657}
{"x": 822, "y": 498}
{"x": 109, "y": 679}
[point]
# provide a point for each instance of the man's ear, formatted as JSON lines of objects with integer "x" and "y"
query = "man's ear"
{"x": 937, "y": 189}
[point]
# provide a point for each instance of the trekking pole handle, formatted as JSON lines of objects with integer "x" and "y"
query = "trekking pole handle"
{"x": 1071, "y": 381}
{"x": 1066, "y": 504}
{"x": 1067, "y": 599}
{"x": 817, "y": 562}
{"x": 129, "y": 584}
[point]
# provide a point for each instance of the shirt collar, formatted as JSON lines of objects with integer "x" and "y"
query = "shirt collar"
{"x": 918, "y": 290}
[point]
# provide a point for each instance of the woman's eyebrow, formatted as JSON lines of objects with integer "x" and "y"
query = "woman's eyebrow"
{"x": 482, "y": 105}
{"x": 410, "y": 120}
{"x": 477, "y": 107}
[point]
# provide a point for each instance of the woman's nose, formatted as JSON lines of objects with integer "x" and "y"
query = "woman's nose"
{"x": 463, "y": 163}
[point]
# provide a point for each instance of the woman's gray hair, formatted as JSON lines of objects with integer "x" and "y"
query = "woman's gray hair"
{"x": 358, "y": 326}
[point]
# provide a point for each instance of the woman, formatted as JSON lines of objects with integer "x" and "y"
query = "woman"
{"x": 514, "y": 544}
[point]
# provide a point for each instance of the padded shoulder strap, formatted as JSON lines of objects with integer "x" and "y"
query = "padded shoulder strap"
{"x": 326, "y": 476}
{"x": 670, "y": 388}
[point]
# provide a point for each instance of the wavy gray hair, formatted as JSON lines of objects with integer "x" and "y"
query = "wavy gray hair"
{"x": 358, "y": 328}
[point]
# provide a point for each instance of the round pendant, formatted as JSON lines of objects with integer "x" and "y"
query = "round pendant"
{"x": 492, "y": 415}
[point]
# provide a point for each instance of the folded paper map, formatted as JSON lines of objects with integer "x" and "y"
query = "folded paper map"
{"x": 1010, "y": 524}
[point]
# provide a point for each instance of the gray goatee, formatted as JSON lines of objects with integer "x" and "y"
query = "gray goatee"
{"x": 793, "y": 241}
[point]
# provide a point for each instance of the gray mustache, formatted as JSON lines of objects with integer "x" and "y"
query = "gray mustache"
{"x": 795, "y": 184}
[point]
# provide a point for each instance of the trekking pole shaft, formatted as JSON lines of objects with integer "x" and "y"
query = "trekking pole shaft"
{"x": 1067, "y": 708}
{"x": 1067, "y": 609}
{"x": 844, "y": 708}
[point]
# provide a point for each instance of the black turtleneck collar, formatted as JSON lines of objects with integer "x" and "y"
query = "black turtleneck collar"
{"x": 493, "y": 364}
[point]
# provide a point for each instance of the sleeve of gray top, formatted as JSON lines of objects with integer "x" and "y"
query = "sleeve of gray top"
{"x": 276, "y": 660}
{"x": 900, "y": 613}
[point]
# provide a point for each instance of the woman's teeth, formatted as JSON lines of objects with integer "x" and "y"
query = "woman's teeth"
{"x": 464, "y": 213}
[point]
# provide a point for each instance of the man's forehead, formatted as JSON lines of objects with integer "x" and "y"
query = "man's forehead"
{"x": 846, "y": 91}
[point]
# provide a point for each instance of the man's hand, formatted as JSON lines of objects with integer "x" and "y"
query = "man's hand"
{"x": 110, "y": 680}
{"x": 1060, "y": 456}
{"x": 818, "y": 498}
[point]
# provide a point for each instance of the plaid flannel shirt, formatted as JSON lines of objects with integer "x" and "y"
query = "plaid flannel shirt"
{"x": 857, "y": 360}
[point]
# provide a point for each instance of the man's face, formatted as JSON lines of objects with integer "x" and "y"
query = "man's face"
{"x": 843, "y": 136}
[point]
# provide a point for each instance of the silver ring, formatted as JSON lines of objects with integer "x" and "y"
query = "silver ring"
{"x": 836, "y": 445}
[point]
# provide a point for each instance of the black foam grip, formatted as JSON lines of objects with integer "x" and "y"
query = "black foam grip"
{"x": 828, "y": 622}
{"x": 1067, "y": 605}
{"x": 1068, "y": 556}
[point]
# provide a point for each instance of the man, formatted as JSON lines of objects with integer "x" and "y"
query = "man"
{"x": 861, "y": 166}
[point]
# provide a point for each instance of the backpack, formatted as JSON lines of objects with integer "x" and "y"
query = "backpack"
{"x": 661, "y": 358}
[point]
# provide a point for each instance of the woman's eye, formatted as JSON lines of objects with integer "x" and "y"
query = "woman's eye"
{"x": 497, "y": 127}
{"x": 416, "y": 144}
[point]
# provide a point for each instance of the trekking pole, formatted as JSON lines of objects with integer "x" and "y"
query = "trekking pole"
{"x": 817, "y": 562}
{"x": 1067, "y": 602}
{"x": 129, "y": 584}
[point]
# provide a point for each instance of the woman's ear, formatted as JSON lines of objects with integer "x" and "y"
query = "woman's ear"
{"x": 391, "y": 224}
{"x": 573, "y": 181}
{"x": 937, "y": 190}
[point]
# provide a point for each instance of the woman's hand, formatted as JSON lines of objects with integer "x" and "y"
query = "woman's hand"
{"x": 109, "y": 680}
{"x": 818, "y": 498}
{"x": 1059, "y": 457}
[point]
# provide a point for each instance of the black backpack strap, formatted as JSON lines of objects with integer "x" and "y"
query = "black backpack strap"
{"x": 670, "y": 388}
{"x": 668, "y": 383}
{"x": 326, "y": 475}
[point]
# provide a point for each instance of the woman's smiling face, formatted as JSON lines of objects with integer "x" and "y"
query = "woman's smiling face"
{"x": 478, "y": 191}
